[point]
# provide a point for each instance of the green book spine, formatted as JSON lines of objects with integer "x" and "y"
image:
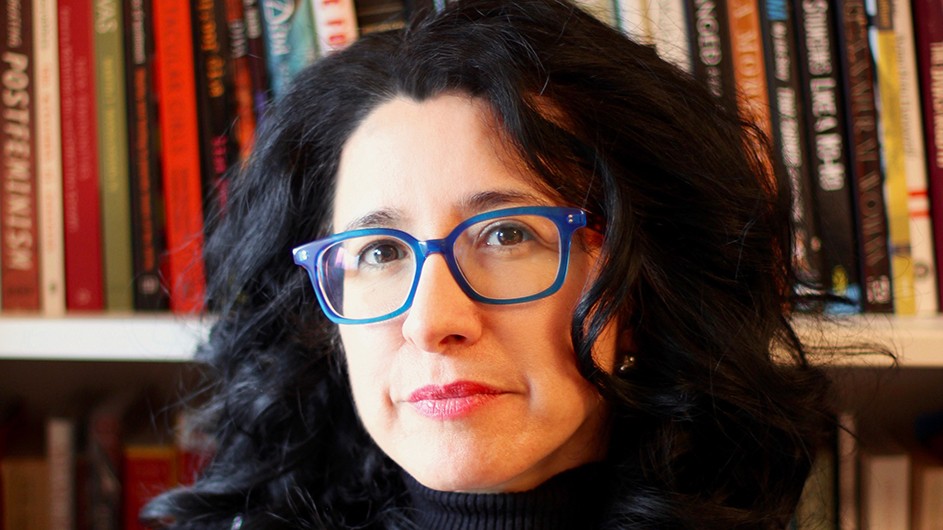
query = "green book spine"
{"x": 113, "y": 155}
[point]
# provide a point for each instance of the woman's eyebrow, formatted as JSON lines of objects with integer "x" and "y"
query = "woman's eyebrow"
{"x": 491, "y": 199}
{"x": 382, "y": 218}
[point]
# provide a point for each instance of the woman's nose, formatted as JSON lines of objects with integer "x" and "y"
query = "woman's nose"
{"x": 441, "y": 316}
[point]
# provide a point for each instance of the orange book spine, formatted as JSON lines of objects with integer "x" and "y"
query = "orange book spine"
{"x": 749, "y": 66}
{"x": 178, "y": 120}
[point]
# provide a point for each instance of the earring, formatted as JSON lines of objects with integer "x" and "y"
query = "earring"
{"x": 627, "y": 362}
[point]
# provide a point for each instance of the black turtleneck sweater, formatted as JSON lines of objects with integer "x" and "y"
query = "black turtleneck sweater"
{"x": 574, "y": 499}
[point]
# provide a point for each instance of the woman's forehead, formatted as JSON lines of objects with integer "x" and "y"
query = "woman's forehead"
{"x": 442, "y": 156}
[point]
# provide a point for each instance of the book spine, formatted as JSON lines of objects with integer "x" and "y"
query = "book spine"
{"x": 290, "y": 41}
{"x": 147, "y": 471}
{"x": 928, "y": 31}
{"x": 887, "y": 74}
{"x": 214, "y": 98}
{"x": 144, "y": 171}
{"x": 19, "y": 235}
{"x": 673, "y": 34}
{"x": 81, "y": 207}
{"x": 335, "y": 24}
{"x": 865, "y": 157}
{"x": 244, "y": 126}
{"x": 790, "y": 136}
{"x": 49, "y": 158}
{"x": 113, "y": 154}
{"x": 749, "y": 68}
{"x": 603, "y": 10}
{"x": 60, "y": 453}
{"x": 825, "y": 116}
{"x": 177, "y": 116}
{"x": 915, "y": 162}
{"x": 104, "y": 461}
{"x": 711, "y": 59}
{"x": 255, "y": 53}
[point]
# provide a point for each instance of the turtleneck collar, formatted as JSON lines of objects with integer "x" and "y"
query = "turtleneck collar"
{"x": 573, "y": 499}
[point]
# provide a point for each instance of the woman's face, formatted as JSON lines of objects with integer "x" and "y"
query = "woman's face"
{"x": 464, "y": 396}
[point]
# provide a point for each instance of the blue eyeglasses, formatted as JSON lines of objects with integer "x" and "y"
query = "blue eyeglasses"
{"x": 504, "y": 256}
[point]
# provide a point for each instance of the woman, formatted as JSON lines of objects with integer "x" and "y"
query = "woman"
{"x": 543, "y": 278}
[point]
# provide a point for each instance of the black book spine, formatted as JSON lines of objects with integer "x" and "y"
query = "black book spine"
{"x": 790, "y": 136}
{"x": 865, "y": 156}
{"x": 255, "y": 52}
{"x": 215, "y": 103}
{"x": 710, "y": 47}
{"x": 148, "y": 242}
{"x": 825, "y": 118}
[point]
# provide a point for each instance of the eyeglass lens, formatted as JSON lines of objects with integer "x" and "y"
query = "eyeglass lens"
{"x": 500, "y": 259}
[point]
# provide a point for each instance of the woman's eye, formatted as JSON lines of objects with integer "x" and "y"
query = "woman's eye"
{"x": 507, "y": 235}
{"x": 381, "y": 253}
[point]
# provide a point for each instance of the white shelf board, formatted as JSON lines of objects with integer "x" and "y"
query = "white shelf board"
{"x": 152, "y": 337}
{"x": 918, "y": 341}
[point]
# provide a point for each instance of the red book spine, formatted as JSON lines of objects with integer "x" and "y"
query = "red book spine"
{"x": 148, "y": 471}
{"x": 177, "y": 116}
{"x": 19, "y": 236}
{"x": 81, "y": 208}
{"x": 928, "y": 30}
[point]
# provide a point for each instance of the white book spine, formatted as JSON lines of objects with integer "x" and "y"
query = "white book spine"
{"x": 635, "y": 20}
{"x": 672, "y": 35}
{"x": 921, "y": 231}
{"x": 49, "y": 158}
{"x": 60, "y": 453}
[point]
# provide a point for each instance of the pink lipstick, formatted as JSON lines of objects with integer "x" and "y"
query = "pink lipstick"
{"x": 452, "y": 401}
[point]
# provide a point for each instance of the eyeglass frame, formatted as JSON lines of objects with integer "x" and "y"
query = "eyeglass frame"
{"x": 567, "y": 220}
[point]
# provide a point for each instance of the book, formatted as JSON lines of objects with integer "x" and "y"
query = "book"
{"x": 84, "y": 280}
{"x": 148, "y": 243}
{"x": 244, "y": 123}
{"x": 890, "y": 135}
{"x": 636, "y": 18}
{"x": 255, "y": 55}
{"x": 790, "y": 136}
{"x": 180, "y": 149}
{"x": 19, "y": 234}
{"x": 710, "y": 41}
{"x": 335, "y": 24}
{"x": 885, "y": 489}
{"x": 25, "y": 492}
{"x": 49, "y": 158}
{"x": 848, "y": 474}
{"x": 61, "y": 454}
{"x": 290, "y": 42}
{"x": 672, "y": 35}
{"x": 915, "y": 162}
{"x": 113, "y": 154}
{"x": 867, "y": 178}
{"x": 822, "y": 101}
{"x": 928, "y": 38}
{"x": 749, "y": 64}
{"x": 149, "y": 468}
{"x": 106, "y": 425}
{"x": 214, "y": 86}
{"x": 24, "y": 475}
{"x": 926, "y": 491}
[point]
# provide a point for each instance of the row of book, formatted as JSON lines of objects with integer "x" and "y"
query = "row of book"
{"x": 849, "y": 92}
{"x": 120, "y": 120}
{"x": 876, "y": 482}
{"x": 122, "y": 117}
{"x": 92, "y": 467}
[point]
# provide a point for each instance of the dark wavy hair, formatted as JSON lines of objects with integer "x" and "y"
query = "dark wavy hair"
{"x": 717, "y": 422}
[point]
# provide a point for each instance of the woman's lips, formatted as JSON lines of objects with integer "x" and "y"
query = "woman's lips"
{"x": 452, "y": 401}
